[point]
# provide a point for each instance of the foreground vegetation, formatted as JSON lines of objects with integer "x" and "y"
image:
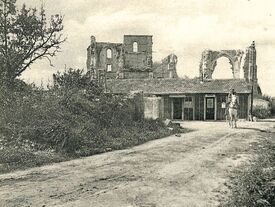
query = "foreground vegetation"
{"x": 254, "y": 185}
{"x": 73, "y": 118}
{"x": 262, "y": 112}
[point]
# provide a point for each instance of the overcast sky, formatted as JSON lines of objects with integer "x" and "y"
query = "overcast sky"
{"x": 183, "y": 27}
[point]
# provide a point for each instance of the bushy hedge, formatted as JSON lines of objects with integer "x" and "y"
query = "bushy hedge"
{"x": 62, "y": 120}
{"x": 71, "y": 118}
{"x": 261, "y": 112}
{"x": 270, "y": 100}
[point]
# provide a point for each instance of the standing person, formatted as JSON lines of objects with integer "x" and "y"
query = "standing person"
{"x": 233, "y": 105}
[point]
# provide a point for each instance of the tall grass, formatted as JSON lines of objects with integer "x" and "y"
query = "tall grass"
{"x": 254, "y": 185}
{"x": 71, "y": 119}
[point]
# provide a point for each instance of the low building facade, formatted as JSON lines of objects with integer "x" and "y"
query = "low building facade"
{"x": 186, "y": 99}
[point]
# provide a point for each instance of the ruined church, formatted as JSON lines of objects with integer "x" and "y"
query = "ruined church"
{"x": 128, "y": 60}
{"x": 129, "y": 66}
{"x": 243, "y": 64}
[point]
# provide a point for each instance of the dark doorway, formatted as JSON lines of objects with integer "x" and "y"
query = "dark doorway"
{"x": 210, "y": 108}
{"x": 177, "y": 108}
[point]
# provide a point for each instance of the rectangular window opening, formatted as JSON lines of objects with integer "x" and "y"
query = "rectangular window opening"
{"x": 109, "y": 68}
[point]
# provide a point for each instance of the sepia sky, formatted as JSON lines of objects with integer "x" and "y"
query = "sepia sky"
{"x": 183, "y": 27}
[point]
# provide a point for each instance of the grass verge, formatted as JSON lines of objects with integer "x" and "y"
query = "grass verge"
{"x": 22, "y": 156}
{"x": 254, "y": 184}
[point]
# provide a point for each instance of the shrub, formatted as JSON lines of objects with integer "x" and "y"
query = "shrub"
{"x": 68, "y": 120}
{"x": 71, "y": 118}
{"x": 270, "y": 100}
{"x": 261, "y": 112}
{"x": 76, "y": 79}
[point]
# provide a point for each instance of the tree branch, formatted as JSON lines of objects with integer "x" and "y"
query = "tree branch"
{"x": 43, "y": 54}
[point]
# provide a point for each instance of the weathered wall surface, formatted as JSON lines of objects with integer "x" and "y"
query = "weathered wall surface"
{"x": 92, "y": 57}
{"x": 132, "y": 59}
{"x": 137, "y": 100}
{"x": 167, "y": 68}
{"x": 135, "y": 62}
{"x": 153, "y": 107}
{"x": 103, "y": 61}
{"x": 243, "y": 63}
{"x": 140, "y": 59}
{"x": 167, "y": 107}
{"x": 209, "y": 61}
{"x": 145, "y": 43}
{"x": 97, "y": 57}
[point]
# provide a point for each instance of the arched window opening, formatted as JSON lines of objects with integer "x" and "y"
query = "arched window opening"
{"x": 223, "y": 69}
{"x": 109, "y": 68}
{"x": 109, "y": 53}
{"x": 135, "y": 47}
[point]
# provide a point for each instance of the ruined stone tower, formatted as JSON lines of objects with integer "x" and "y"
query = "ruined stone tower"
{"x": 131, "y": 59}
{"x": 250, "y": 67}
{"x": 91, "y": 56}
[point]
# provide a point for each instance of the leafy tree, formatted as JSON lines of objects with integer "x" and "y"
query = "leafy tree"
{"x": 77, "y": 79}
{"x": 26, "y": 36}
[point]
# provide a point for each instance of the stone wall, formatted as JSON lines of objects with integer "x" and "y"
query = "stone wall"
{"x": 103, "y": 61}
{"x": 124, "y": 60}
{"x": 137, "y": 100}
{"x": 243, "y": 63}
{"x": 167, "y": 68}
{"x": 97, "y": 57}
{"x": 92, "y": 57}
{"x": 140, "y": 59}
{"x": 153, "y": 108}
{"x": 209, "y": 61}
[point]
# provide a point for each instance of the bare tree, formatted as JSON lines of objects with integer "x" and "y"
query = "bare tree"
{"x": 26, "y": 36}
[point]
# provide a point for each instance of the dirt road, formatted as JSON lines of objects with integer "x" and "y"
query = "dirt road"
{"x": 190, "y": 170}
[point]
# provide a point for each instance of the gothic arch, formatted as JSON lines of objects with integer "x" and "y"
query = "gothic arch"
{"x": 231, "y": 61}
{"x": 210, "y": 57}
{"x": 109, "y": 53}
{"x": 223, "y": 67}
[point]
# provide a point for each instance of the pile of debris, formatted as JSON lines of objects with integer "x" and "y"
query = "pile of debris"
{"x": 173, "y": 126}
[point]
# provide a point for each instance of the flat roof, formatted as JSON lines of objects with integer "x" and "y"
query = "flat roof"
{"x": 177, "y": 86}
